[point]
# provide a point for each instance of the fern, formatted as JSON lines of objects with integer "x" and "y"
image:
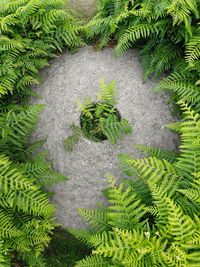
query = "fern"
{"x": 193, "y": 49}
{"x": 170, "y": 25}
{"x": 25, "y": 211}
{"x": 95, "y": 261}
{"x": 170, "y": 156}
{"x": 136, "y": 32}
{"x": 97, "y": 218}
{"x": 4, "y": 254}
{"x": 189, "y": 129}
{"x": 125, "y": 166}
{"x": 31, "y": 31}
{"x": 107, "y": 93}
{"x": 160, "y": 59}
{"x": 168, "y": 239}
{"x": 115, "y": 129}
{"x": 99, "y": 121}
{"x": 16, "y": 127}
{"x": 128, "y": 206}
{"x": 73, "y": 139}
{"x": 153, "y": 218}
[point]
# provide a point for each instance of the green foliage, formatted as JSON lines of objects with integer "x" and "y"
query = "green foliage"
{"x": 168, "y": 33}
{"x": 101, "y": 120}
{"x": 25, "y": 212}
{"x": 30, "y": 33}
{"x": 73, "y": 139}
{"x": 162, "y": 28}
{"x": 64, "y": 249}
{"x": 153, "y": 219}
{"x": 193, "y": 49}
{"x": 4, "y": 254}
{"x": 26, "y": 215}
{"x": 162, "y": 154}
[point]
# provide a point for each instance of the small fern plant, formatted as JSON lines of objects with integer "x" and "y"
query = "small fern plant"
{"x": 100, "y": 120}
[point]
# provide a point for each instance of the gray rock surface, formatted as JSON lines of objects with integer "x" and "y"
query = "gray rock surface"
{"x": 85, "y": 8}
{"x": 71, "y": 77}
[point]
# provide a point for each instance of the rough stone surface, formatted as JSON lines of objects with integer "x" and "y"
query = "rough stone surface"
{"x": 71, "y": 77}
{"x": 86, "y": 8}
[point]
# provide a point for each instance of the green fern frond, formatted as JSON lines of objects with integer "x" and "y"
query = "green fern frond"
{"x": 188, "y": 160}
{"x": 126, "y": 209}
{"x": 73, "y": 139}
{"x": 83, "y": 235}
{"x": 33, "y": 260}
{"x": 159, "y": 153}
{"x": 193, "y": 49}
{"x": 41, "y": 172}
{"x": 115, "y": 129}
{"x": 6, "y": 23}
{"x": 181, "y": 11}
{"x": 122, "y": 243}
{"x": 175, "y": 126}
{"x": 161, "y": 58}
{"x": 142, "y": 30}
{"x": 10, "y": 44}
{"x": 187, "y": 91}
{"x": 35, "y": 146}
{"x": 124, "y": 164}
{"x": 154, "y": 169}
{"x": 11, "y": 178}
{"x": 7, "y": 228}
{"x": 96, "y": 218}
{"x": 94, "y": 261}
{"x": 17, "y": 127}
{"x": 192, "y": 194}
{"x": 5, "y": 254}
{"x": 51, "y": 178}
{"x": 107, "y": 93}
{"x": 180, "y": 226}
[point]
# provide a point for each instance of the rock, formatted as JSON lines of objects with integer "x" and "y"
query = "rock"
{"x": 71, "y": 77}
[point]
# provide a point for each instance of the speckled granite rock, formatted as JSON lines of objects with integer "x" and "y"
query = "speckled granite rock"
{"x": 85, "y": 8}
{"x": 72, "y": 77}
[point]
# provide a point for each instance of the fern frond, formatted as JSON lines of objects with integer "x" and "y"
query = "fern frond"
{"x": 193, "y": 49}
{"x": 159, "y": 153}
{"x": 142, "y": 30}
{"x": 94, "y": 261}
{"x": 107, "y": 93}
{"x": 96, "y": 218}
{"x": 181, "y": 11}
{"x": 17, "y": 127}
{"x": 124, "y": 164}
{"x": 161, "y": 59}
{"x": 126, "y": 209}
{"x": 153, "y": 170}
{"x": 180, "y": 226}
{"x": 115, "y": 129}
{"x": 189, "y": 158}
{"x": 121, "y": 245}
{"x": 5, "y": 254}
{"x": 40, "y": 170}
{"x": 11, "y": 178}
{"x": 192, "y": 194}
{"x": 73, "y": 139}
